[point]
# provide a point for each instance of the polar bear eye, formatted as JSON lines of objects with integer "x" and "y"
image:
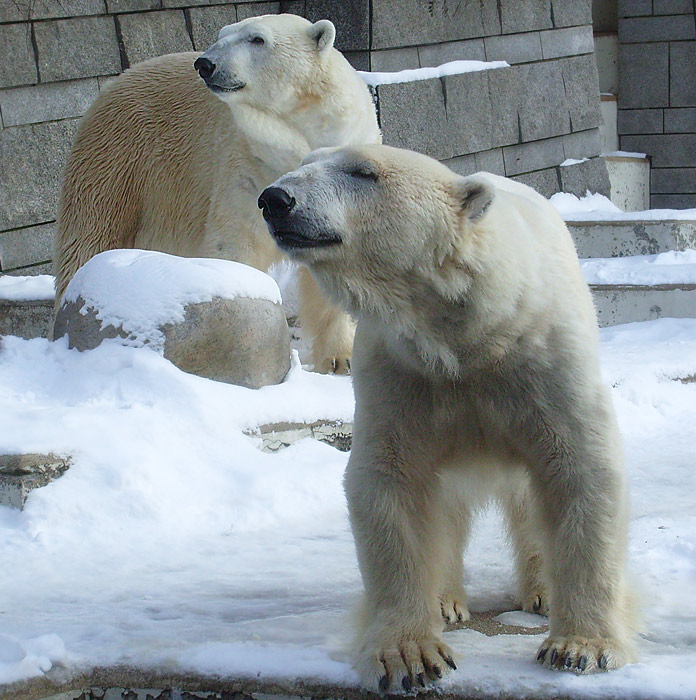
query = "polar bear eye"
{"x": 364, "y": 172}
{"x": 256, "y": 40}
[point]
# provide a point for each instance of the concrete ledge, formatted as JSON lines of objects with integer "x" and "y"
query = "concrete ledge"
{"x": 611, "y": 239}
{"x": 20, "y": 474}
{"x": 617, "y": 304}
{"x": 276, "y": 436}
{"x": 26, "y": 319}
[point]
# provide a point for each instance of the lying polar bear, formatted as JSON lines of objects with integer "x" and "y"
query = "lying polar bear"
{"x": 167, "y": 161}
{"x": 476, "y": 374}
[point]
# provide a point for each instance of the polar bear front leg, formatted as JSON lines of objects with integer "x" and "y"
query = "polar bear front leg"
{"x": 583, "y": 509}
{"x": 400, "y": 539}
{"x": 330, "y": 329}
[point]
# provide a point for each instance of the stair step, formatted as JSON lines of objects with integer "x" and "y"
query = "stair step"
{"x": 26, "y": 318}
{"x": 618, "y": 238}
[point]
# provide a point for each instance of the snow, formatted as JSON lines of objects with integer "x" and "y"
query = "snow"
{"x": 597, "y": 207}
{"x": 672, "y": 267}
{"x": 24, "y": 288}
{"x": 173, "y": 543}
{"x": 573, "y": 161}
{"x": 140, "y": 290}
{"x": 376, "y": 78}
{"x": 624, "y": 154}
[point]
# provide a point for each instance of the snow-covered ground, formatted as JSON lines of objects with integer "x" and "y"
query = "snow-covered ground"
{"x": 174, "y": 543}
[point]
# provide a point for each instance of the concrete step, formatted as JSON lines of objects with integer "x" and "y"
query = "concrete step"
{"x": 26, "y": 318}
{"x": 621, "y": 303}
{"x": 616, "y": 238}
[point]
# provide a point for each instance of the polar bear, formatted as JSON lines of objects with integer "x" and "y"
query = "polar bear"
{"x": 165, "y": 160}
{"x": 476, "y": 374}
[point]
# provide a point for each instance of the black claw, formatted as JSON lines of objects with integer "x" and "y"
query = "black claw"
{"x": 554, "y": 657}
{"x": 437, "y": 671}
{"x": 568, "y": 661}
{"x": 406, "y": 684}
{"x": 383, "y": 684}
{"x": 450, "y": 662}
{"x": 582, "y": 664}
{"x": 603, "y": 661}
{"x": 542, "y": 654}
{"x": 460, "y": 618}
{"x": 421, "y": 680}
{"x": 537, "y": 604}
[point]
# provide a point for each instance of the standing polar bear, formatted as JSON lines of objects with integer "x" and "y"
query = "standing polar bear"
{"x": 476, "y": 373}
{"x": 167, "y": 161}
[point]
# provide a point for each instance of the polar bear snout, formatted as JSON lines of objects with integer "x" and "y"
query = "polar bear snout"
{"x": 205, "y": 67}
{"x": 276, "y": 203}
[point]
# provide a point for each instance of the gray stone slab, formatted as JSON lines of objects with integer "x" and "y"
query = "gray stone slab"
{"x": 47, "y": 101}
{"x": 682, "y": 73}
{"x": 504, "y": 89}
{"x": 178, "y": 4}
{"x": 53, "y": 9}
{"x": 254, "y": 9}
{"x": 514, "y": 48}
{"x": 77, "y": 48}
{"x": 133, "y": 5}
{"x": 26, "y": 246}
{"x": 516, "y": 16}
{"x": 680, "y": 121}
{"x": 21, "y": 473}
{"x": 17, "y": 60}
{"x": 352, "y": 20}
{"x": 666, "y": 150}
{"x": 150, "y": 34}
{"x": 40, "y": 269}
{"x": 490, "y": 161}
{"x": 431, "y": 22}
{"x": 568, "y": 13}
{"x": 628, "y": 304}
{"x": 360, "y": 60}
{"x": 673, "y": 201}
{"x": 545, "y": 182}
{"x": 581, "y": 84}
{"x": 612, "y": 239}
{"x": 413, "y": 116}
{"x": 15, "y": 10}
{"x": 26, "y": 319}
{"x": 35, "y": 156}
{"x": 644, "y": 76}
{"x": 672, "y": 7}
{"x": 469, "y": 112}
{"x": 582, "y": 144}
{"x": 634, "y": 8}
{"x": 542, "y": 101}
{"x": 589, "y": 175}
{"x": 536, "y": 155}
{"x": 206, "y": 22}
{"x": 567, "y": 42}
{"x": 640, "y": 121}
{"x": 437, "y": 54}
{"x": 293, "y": 7}
{"x": 462, "y": 165}
{"x": 389, "y": 60}
{"x": 673, "y": 180}
{"x": 661, "y": 28}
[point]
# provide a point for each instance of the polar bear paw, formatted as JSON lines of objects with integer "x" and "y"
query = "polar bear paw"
{"x": 580, "y": 655}
{"x": 454, "y": 608}
{"x": 409, "y": 664}
{"x": 334, "y": 364}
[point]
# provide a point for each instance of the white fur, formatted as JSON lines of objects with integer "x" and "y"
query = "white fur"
{"x": 476, "y": 375}
{"x": 163, "y": 163}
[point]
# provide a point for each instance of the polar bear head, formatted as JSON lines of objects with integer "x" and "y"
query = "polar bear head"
{"x": 264, "y": 59}
{"x": 374, "y": 222}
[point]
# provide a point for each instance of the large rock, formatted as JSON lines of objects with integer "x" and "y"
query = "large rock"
{"x": 195, "y": 312}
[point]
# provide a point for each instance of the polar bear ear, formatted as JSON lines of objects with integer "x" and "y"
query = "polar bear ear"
{"x": 323, "y": 33}
{"x": 474, "y": 196}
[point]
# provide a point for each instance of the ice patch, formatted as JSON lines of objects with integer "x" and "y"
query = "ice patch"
{"x": 672, "y": 267}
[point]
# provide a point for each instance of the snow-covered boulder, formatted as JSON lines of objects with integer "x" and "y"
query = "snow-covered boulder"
{"x": 213, "y": 318}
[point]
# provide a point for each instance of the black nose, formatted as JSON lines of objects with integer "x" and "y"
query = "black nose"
{"x": 276, "y": 203}
{"x": 204, "y": 67}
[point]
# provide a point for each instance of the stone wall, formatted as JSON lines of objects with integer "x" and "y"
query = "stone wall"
{"x": 522, "y": 121}
{"x": 657, "y": 94}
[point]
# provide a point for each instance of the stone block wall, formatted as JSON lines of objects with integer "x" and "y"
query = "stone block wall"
{"x": 522, "y": 121}
{"x": 657, "y": 94}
